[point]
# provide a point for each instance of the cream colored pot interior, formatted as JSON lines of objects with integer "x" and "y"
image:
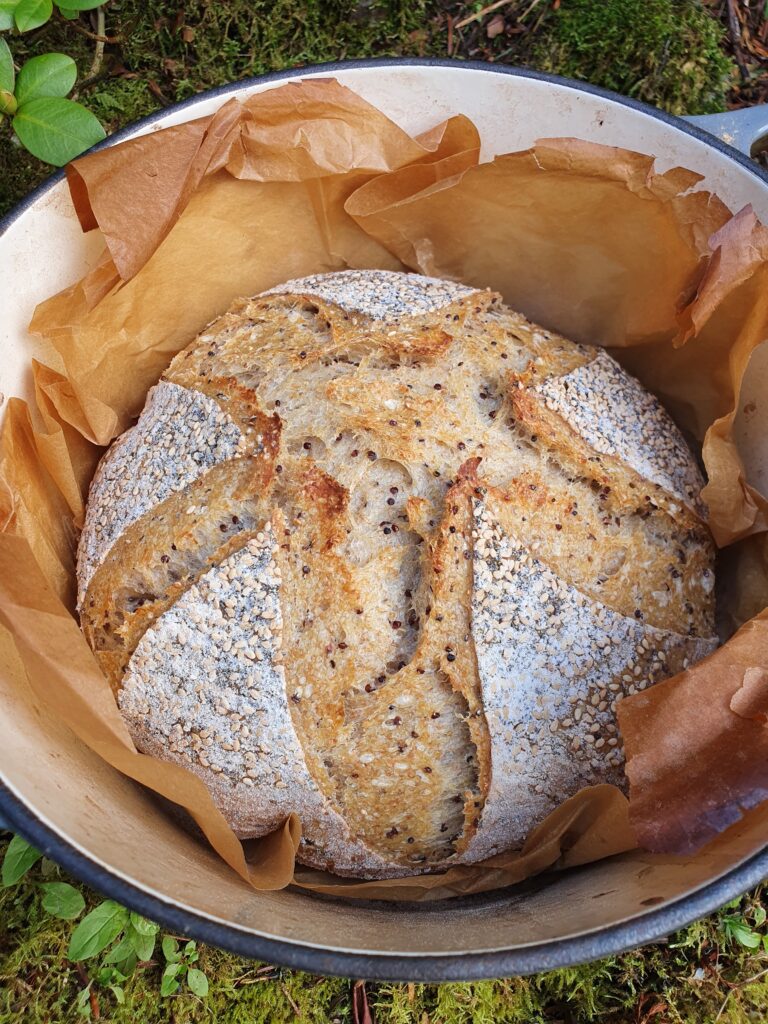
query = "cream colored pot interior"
{"x": 115, "y": 824}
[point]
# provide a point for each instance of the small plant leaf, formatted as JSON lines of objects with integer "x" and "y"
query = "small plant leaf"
{"x": 62, "y": 900}
{"x": 120, "y": 952}
{"x": 741, "y": 932}
{"x": 83, "y": 1002}
{"x": 142, "y": 945}
{"x": 143, "y": 926}
{"x": 170, "y": 949}
{"x": 65, "y": 12}
{"x": 7, "y": 102}
{"x": 50, "y": 74}
{"x": 169, "y": 984}
{"x": 30, "y": 14}
{"x": 118, "y": 993}
{"x": 7, "y": 74}
{"x": 124, "y": 966}
{"x": 7, "y": 21}
{"x": 48, "y": 867}
{"x": 97, "y": 930}
{"x": 110, "y": 976}
{"x": 56, "y": 130}
{"x": 81, "y": 5}
{"x": 19, "y": 858}
{"x": 198, "y": 982}
{"x": 759, "y": 915}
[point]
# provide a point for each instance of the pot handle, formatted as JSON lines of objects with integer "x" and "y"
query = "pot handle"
{"x": 745, "y": 130}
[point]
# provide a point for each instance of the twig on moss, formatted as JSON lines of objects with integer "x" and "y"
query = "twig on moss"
{"x": 734, "y": 27}
{"x": 478, "y": 15}
{"x": 529, "y": 8}
{"x": 92, "y": 998}
{"x": 98, "y": 55}
{"x": 291, "y": 1000}
{"x": 736, "y": 988}
{"x": 112, "y": 40}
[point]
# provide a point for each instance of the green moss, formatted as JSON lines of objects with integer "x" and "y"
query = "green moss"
{"x": 219, "y": 43}
{"x": 687, "y": 978}
{"x": 666, "y": 52}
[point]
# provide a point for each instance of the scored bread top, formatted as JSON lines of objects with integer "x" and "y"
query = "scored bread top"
{"x": 181, "y": 434}
{"x": 473, "y": 538}
{"x": 611, "y": 413}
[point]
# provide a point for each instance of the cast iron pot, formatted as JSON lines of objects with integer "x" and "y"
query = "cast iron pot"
{"x": 104, "y": 829}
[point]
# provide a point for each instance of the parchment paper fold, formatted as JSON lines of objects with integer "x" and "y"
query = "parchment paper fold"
{"x": 585, "y": 239}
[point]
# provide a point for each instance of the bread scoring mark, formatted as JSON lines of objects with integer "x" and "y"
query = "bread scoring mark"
{"x": 616, "y": 416}
{"x": 379, "y": 294}
{"x": 553, "y": 664}
{"x": 180, "y": 434}
{"x": 420, "y": 392}
{"x": 205, "y": 687}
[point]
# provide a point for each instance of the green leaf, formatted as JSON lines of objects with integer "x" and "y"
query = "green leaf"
{"x": 50, "y": 74}
{"x": 56, "y": 130}
{"x": 6, "y": 20}
{"x": 97, "y": 930}
{"x": 124, "y": 956}
{"x": 110, "y": 976}
{"x": 48, "y": 867}
{"x": 83, "y": 1002}
{"x": 120, "y": 952}
{"x": 124, "y": 966}
{"x": 69, "y": 15}
{"x": 143, "y": 926}
{"x": 7, "y": 74}
{"x": 7, "y": 102}
{"x": 31, "y": 14}
{"x": 169, "y": 984}
{"x": 80, "y": 5}
{"x": 742, "y": 933}
{"x": 7, "y": 8}
{"x": 127, "y": 966}
{"x": 198, "y": 982}
{"x": 19, "y": 858}
{"x": 143, "y": 945}
{"x": 62, "y": 900}
{"x": 118, "y": 993}
{"x": 170, "y": 949}
{"x": 759, "y": 915}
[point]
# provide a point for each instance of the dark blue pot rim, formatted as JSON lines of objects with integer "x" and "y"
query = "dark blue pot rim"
{"x": 648, "y": 927}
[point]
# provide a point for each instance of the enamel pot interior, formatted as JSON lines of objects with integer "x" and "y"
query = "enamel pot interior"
{"x": 110, "y": 833}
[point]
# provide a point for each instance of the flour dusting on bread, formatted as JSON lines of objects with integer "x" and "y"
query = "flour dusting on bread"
{"x": 383, "y": 553}
{"x": 180, "y": 434}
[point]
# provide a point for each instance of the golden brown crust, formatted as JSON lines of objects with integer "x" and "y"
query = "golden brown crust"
{"x": 402, "y": 456}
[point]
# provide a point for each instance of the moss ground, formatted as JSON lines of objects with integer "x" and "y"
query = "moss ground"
{"x": 673, "y": 53}
{"x": 667, "y": 52}
{"x": 700, "y": 975}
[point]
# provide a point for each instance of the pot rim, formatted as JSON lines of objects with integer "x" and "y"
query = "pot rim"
{"x": 645, "y": 928}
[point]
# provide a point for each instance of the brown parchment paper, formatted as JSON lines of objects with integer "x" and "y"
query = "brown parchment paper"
{"x": 306, "y": 178}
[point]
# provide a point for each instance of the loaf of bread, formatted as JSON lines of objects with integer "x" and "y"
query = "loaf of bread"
{"x": 381, "y": 552}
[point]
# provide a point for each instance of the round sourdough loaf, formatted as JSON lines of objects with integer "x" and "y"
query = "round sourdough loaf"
{"x": 381, "y": 552}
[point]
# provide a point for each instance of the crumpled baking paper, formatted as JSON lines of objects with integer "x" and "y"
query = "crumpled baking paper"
{"x": 585, "y": 239}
